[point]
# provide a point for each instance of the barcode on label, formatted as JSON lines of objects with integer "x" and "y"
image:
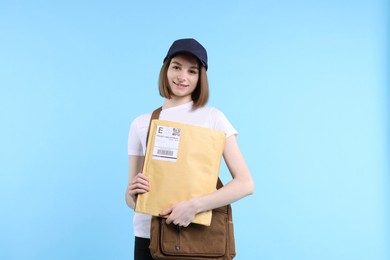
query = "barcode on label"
{"x": 165, "y": 152}
{"x": 166, "y": 143}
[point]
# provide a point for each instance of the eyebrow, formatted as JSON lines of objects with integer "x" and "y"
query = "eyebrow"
{"x": 192, "y": 67}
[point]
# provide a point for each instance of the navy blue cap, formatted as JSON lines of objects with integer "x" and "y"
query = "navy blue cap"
{"x": 188, "y": 46}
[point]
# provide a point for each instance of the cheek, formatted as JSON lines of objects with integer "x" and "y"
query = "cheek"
{"x": 195, "y": 80}
{"x": 169, "y": 75}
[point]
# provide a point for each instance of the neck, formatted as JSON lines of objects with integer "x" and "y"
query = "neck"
{"x": 173, "y": 102}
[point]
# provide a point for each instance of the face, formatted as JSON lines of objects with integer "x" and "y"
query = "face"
{"x": 183, "y": 76}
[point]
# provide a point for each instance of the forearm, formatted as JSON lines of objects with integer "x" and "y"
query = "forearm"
{"x": 241, "y": 185}
{"x": 134, "y": 187}
{"x": 234, "y": 190}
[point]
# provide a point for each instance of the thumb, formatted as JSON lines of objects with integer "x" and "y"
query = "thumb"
{"x": 166, "y": 211}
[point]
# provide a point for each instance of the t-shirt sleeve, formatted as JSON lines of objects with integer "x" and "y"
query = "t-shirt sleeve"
{"x": 134, "y": 144}
{"x": 223, "y": 124}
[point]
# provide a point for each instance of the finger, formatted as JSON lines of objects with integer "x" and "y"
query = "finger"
{"x": 142, "y": 184}
{"x": 135, "y": 189}
{"x": 166, "y": 211}
{"x": 140, "y": 181}
{"x": 142, "y": 176}
{"x": 139, "y": 187}
{"x": 181, "y": 224}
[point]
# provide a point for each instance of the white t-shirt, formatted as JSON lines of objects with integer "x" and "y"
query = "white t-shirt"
{"x": 207, "y": 116}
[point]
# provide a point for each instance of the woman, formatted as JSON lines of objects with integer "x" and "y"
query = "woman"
{"x": 184, "y": 86}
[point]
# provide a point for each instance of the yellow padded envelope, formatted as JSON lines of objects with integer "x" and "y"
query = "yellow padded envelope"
{"x": 182, "y": 162}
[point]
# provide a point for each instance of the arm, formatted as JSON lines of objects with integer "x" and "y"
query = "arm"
{"x": 138, "y": 183}
{"x": 240, "y": 186}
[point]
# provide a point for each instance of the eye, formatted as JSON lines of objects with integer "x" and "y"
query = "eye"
{"x": 175, "y": 67}
{"x": 193, "y": 72}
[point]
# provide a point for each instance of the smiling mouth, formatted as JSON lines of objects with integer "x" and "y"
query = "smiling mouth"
{"x": 180, "y": 85}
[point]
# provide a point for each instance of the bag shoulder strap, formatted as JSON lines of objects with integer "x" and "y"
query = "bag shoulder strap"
{"x": 155, "y": 115}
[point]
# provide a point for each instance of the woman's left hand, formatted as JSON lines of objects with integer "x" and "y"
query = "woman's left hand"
{"x": 180, "y": 214}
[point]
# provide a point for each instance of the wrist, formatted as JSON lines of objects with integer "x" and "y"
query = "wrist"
{"x": 197, "y": 205}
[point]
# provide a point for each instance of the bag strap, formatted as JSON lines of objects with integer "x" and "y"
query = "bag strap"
{"x": 156, "y": 115}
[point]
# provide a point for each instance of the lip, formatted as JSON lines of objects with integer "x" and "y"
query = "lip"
{"x": 180, "y": 85}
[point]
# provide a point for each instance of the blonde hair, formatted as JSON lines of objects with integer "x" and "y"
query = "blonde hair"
{"x": 200, "y": 96}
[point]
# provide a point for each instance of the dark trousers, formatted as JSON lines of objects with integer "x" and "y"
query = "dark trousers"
{"x": 141, "y": 249}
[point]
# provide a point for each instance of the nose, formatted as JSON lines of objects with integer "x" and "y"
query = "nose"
{"x": 181, "y": 77}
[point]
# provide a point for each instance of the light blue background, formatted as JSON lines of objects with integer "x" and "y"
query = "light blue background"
{"x": 304, "y": 82}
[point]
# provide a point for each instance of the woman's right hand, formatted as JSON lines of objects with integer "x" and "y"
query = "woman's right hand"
{"x": 139, "y": 185}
